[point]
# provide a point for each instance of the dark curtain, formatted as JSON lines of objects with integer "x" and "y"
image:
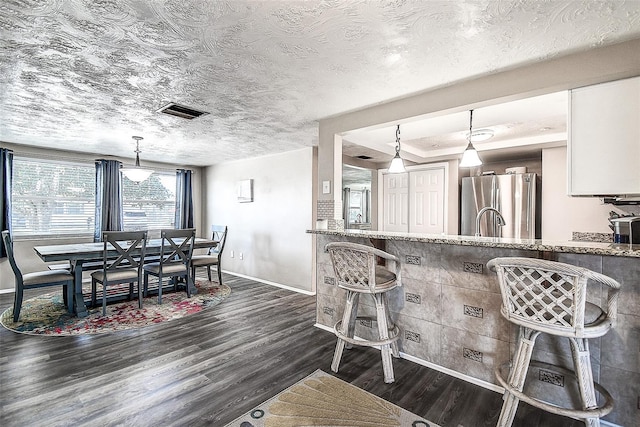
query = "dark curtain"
{"x": 184, "y": 199}
{"x": 6, "y": 176}
{"x": 108, "y": 198}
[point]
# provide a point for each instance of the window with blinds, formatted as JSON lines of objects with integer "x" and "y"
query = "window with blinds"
{"x": 56, "y": 198}
{"x": 52, "y": 198}
{"x": 150, "y": 204}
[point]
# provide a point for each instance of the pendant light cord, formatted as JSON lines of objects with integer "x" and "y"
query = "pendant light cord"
{"x": 398, "y": 139}
{"x": 470, "y": 124}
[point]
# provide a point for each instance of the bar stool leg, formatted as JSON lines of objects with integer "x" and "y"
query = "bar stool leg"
{"x": 347, "y": 327}
{"x": 584, "y": 374}
{"x": 351, "y": 329}
{"x": 383, "y": 331}
{"x": 395, "y": 351}
{"x": 517, "y": 375}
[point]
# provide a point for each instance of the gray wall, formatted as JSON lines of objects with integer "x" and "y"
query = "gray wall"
{"x": 271, "y": 231}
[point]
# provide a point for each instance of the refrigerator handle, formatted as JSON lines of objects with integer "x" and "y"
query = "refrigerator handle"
{"x": 527, "y": 180}
{"x": 497, "y": 230}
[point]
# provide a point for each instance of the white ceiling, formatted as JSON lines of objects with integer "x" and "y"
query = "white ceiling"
{"x": 86, "y": 75}
{"x": 519, "y": 129}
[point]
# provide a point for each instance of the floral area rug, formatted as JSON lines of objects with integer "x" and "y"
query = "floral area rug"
{"x": 47, "y": 315}
{"x": 324, "y": 400}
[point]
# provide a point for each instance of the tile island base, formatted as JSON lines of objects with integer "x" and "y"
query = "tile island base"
{"x": 448, "y": 312}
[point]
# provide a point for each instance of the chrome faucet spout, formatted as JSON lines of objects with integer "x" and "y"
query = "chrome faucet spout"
{"x": 501, "y": 221}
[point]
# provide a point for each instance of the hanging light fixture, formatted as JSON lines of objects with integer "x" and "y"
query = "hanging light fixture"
{"x": 470, "y": 156}
{"x": 397, "y": 164}
{"x": 136, "y": 173}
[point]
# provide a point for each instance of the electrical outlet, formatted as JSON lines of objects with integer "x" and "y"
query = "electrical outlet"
{"x": 241, "y": 255}
{"x": 232, "y": 254}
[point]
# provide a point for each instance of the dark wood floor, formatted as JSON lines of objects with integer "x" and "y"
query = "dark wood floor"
{"x": 211, "y": 367}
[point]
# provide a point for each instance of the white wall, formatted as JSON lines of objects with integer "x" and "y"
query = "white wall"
{"x": 562, "y": 214}
{"x": 270, "y": 231}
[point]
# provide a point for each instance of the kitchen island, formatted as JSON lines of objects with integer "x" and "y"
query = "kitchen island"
{"x": 448, "y": 309}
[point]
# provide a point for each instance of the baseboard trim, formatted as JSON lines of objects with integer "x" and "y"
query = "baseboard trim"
{"x": 453, "y": 373}
{"x": 267, "y": 282}
{"x": 467, "y": 378}
{"x": 431, "y": 365}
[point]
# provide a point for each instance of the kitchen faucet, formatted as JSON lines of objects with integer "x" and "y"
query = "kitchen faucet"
{"x": 501, "y": 221}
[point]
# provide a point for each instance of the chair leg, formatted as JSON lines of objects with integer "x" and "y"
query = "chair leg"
{"x": 130, "y": 291}
{"x": 94, "y": 290}
{"x": 65, "y": 296}
{"x": 395, "y": 351}
{"x": 584, "y": 374}
{"x": 160, "y": 288}
{"x": 104, "y": 298}
{"x": 348, "y": 319}
{"x": 351, "y": 326}
{"x": 209, "y": 272}
{"x": 383, "y": 331}
{"x": 191, "y": 283}
{"x": 145, "y": 286}
{"x": 517, "y": 375}
{"x": 219, "y": 273}
{"x": 140, "y": 292}
{"x": 17, "y": 303}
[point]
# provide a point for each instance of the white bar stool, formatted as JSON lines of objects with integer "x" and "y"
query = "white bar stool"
{"x": 357, "y": 272}
{"x": 550, "y": 297}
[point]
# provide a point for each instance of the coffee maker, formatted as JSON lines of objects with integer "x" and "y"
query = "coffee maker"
{"x": 626, "y": 229}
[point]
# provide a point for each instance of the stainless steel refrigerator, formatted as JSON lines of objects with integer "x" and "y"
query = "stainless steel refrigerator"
{"x": 515, "y": 196}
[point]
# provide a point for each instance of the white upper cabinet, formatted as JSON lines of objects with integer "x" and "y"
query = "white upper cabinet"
{"x": 604, "y": 139}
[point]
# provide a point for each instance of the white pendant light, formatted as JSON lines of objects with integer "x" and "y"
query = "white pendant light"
{"x": 470, "y": 156}
{"x": 397, "y": 164}
{"x": 136, "y": 173}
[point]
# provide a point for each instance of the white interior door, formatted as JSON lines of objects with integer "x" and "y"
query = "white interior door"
{"x": 426, "y": 201}
{"x": 396, "y": 202}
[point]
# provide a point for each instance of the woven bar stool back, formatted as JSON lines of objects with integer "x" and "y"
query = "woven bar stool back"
{"x": 550, "y": 297}
{"x": 357, "y": 272}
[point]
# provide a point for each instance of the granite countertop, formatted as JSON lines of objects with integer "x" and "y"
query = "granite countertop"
{"x": 576, "y": 247}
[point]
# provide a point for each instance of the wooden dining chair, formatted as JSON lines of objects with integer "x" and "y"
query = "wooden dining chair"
{"x": 38, "y": 279}
{"x": 176, "y": 251}
{"x": 214, "y": 255}
{"x": 125, "y": 267}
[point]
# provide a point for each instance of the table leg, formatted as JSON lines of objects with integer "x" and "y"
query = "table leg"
{"x": 191, "y": 283}
{"x": 80, "y": 307}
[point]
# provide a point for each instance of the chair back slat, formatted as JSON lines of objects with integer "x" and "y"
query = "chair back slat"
{"x": 8, "y": 246}
{"x": 130, "y": 247}
{"x": 219, "y": 234}
{"x": 542, "y": 292}
{"x": 354, "y": 265}
{"x": 177, "y": 245}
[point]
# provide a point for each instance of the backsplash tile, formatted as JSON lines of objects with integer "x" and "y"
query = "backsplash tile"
{"x": 592, "y": 237}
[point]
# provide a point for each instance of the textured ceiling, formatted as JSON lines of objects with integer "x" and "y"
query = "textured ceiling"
{"x": 86, "y": 75}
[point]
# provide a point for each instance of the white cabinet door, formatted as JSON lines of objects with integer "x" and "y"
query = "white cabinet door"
{"x": 604, "y": 139}
{"x": 426, "y": 201}
{"x": 396, "y": 202}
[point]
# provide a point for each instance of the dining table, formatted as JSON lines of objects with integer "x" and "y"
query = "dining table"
{"x": 80, "y": 255}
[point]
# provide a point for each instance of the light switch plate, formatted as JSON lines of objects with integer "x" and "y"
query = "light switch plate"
{"x": 326, "y": 187}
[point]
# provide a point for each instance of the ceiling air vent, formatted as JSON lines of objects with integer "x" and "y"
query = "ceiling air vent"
{"x": 363, "y": 157}
{"x": 181, "y": 111}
